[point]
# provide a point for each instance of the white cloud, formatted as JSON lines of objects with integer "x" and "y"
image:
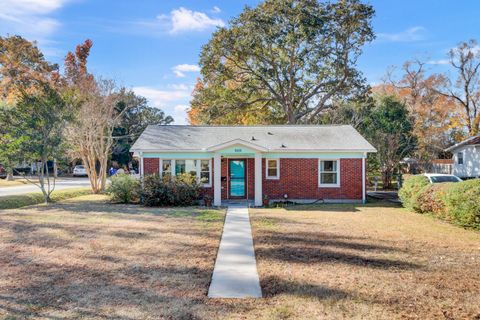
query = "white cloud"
{"x": 181, "y": 69}
{"x": 29, "y": 17}
{"x": 216, "y": 9}
{"x": 182, "y": 19}
{"x": 439, "y": 62}
{"x": 410, "y": 35}
{"x": 180, "y": 114}
{"x": 173, "y": 102}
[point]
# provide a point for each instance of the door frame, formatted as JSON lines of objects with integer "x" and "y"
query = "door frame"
{"x": 245, "y": 181}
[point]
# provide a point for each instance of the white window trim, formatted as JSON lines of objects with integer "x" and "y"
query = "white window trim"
{"x": 328, "y": 185}
{"x": 276, "y": 177}
{"x": 172, "y": 167}
{"x": 463, "y": 158}
{"x": 198, "y": 169}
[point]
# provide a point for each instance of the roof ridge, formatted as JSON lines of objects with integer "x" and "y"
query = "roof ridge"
{"x": 250, "y": 126}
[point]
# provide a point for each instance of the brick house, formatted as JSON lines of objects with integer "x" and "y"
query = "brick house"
{"x": 298, "y": 163}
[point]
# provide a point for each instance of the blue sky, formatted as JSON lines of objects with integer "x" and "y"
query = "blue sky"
{"x": 153, "y": 46}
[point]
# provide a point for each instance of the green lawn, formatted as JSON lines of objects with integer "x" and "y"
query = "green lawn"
{"x": 18, "y": 201}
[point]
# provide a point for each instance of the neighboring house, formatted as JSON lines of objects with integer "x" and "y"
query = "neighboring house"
{"x": 298, "y": 163}
{"x": 466, "y": 158}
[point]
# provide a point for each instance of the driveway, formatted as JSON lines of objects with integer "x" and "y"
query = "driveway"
{"x": 61, "y": 184}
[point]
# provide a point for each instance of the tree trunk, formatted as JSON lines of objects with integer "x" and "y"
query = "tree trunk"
{"x": 387, "y": 178}
{"x": 41, "y": 180}
{"x": 10, "y": 175}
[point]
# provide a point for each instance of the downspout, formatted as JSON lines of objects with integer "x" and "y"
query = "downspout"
{"x": 364, "y": 196}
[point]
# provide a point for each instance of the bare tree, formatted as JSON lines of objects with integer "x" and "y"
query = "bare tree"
{"x": 91, "y": 134}
{"x": 465, "y": 59}
{"x": 436, "y": 116}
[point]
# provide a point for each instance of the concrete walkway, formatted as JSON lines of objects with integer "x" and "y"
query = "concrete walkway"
{"x": 235, "y": 274}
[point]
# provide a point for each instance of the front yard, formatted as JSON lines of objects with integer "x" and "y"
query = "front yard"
{"x": 86, "y": 258}
{"x": 371, "y": 262}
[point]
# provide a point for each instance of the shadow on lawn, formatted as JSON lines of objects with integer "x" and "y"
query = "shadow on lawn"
{"x": 274, "y": 285}
{"x": 316, "y": 248}
{"x": 341, "y": 207}
{"x": 95, "y": 290}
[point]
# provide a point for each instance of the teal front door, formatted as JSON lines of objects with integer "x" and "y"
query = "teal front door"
{"x": 237, "y": 178}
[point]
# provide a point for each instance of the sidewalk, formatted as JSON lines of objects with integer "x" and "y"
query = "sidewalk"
{"x": 235, "y": 274}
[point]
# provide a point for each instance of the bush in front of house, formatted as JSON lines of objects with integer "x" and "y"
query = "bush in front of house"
{"x": 183, "y": 190}
{"x": 124, "y": 188}
{"x": 462, "y": 203}
{"x": 411, "y": 189}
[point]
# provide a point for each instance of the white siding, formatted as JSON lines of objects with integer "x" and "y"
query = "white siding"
{"x": 471, "y": 162}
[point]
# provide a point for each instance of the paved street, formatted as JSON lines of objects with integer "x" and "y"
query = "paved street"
{"x": 61, "y": 184}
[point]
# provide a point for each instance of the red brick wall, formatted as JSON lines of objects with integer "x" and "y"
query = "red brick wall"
{"x": 298, "y": 179}
{"x": 151, "y": 165}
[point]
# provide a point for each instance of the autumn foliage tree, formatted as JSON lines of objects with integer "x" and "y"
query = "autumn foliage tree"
{"x": 33, "y": 110}
{"x": 284, "y": 60}
{"x": 436, "y": 117}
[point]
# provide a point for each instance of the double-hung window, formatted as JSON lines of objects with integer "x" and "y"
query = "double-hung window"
{"x": 205, "y": 172}
{"x": 460, "y": 158}
{"x": 329, "y": 173}
{"x": 166, "y": 167}
{"x": 273, "y": 169}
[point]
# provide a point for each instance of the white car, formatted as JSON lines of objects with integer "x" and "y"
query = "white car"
{"x": 79, "y": 171}
{"x": 439, "y": 178}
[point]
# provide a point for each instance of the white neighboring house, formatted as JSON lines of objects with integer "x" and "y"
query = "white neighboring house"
{"x": 466, "y": 158}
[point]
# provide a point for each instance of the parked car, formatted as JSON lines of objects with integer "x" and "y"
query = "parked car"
{"x": 3, "y": 172}
{"x": 79, "y": 171}
{"x": 439, "y": 178}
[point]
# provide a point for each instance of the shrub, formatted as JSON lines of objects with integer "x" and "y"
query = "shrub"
{"x": 411, "y": 190}
{"x": 462, "y": 202}
{"x": 124, "y": 189}
{"x": 432, "y": 199}
{"x": 183, "y": 190}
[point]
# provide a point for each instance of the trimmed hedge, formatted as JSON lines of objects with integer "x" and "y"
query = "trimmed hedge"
{"x": 463, "y": 203}
{"x": 411, "y": 190}
{"x": 18, "y": 201}
{"x": 457, "y": 202}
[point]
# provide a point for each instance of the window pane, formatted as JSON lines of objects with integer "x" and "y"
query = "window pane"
{"x": 330, "y": 166}
{"x": 272, "y": 172}
{"x": 166, "y": 165}
{"x": 205, "y": 177}
{"x": 191, "y": 167}
{"x": 328, "y": 178}
{"x": 179, "y": 167}
{"x": 205, "y": 165}
{"x": 272, "y": 163}
{"x": 460, "y": 158}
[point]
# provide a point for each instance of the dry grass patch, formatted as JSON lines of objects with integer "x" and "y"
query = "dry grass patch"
{"x": 4, "y": 183}
{"x": 86, "y": 258}
{"x": 365, "y": 262}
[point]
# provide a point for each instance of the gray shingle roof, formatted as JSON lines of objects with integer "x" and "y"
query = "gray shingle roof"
{"x": 292, "y": 137}
{"x": 470, "y": 141}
